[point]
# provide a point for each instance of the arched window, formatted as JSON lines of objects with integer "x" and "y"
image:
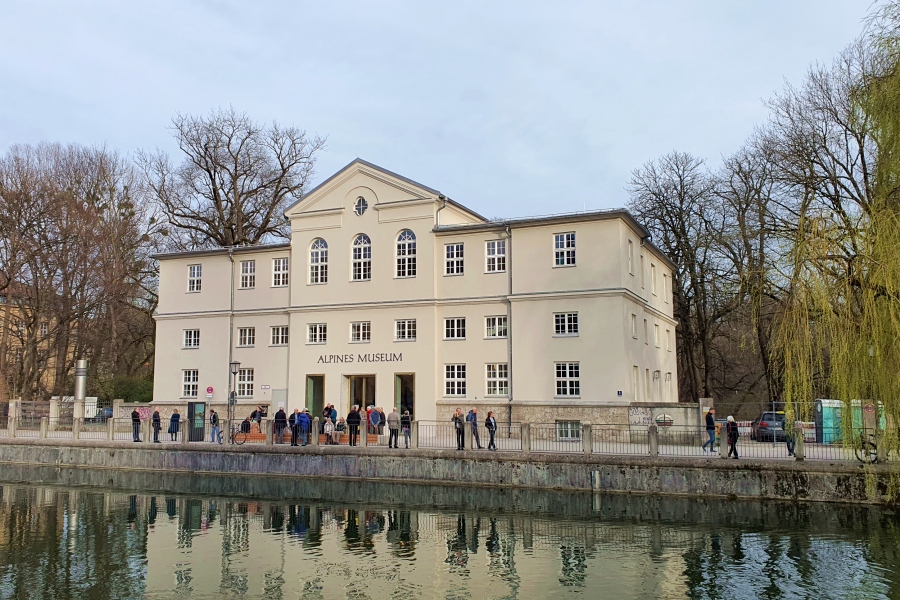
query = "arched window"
{"x": 362, "y": 258}
{"x": 318, "y": 261}
{"x": 406, "y": 254}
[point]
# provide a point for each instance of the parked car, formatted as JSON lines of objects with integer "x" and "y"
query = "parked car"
{"x": 768, "y": 427}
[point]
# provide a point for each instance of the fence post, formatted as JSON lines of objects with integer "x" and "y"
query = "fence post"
{"x": 146, "y": 429}
{"x": 525, "y": 432}
{"x": 314, "y": 434}
{"x": 11, "y": 426}
{"x": 270, "y": 431}
{"x": 653, "y": 437}
{"x": 54, "y": 413}
{"x": 226, "y": 431}
{"x": 723, "y": 443}
{"x": 76, "y": 428}
{"x": 587, "y": 438}
{"x": 799, "y": 447}
{"x": 111, "y": 428}
{"x": 363, "y": 432}
{"x": 414, "y": 435}
{"x": 468, "y": 438}
{"x": 45, "y": 423}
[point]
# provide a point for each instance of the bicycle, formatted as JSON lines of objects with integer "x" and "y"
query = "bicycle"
{"x": 237, "y": 436}
{"x": 865, "y": 449}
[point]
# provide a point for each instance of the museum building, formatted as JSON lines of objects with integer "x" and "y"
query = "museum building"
{"x": 390, "y": 293}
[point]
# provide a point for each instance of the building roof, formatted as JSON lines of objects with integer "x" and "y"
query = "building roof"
{"x": 225, "y": 250}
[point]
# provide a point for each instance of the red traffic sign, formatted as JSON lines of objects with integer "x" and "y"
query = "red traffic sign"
{"x": 209, "y": 390}
{"x": 869, "y": 408}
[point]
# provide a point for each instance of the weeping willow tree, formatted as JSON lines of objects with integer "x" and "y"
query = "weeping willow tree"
{"x": 839, "y": 334}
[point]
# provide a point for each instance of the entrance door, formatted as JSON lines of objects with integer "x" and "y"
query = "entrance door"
{"x": 362, "y": 390}
{"x": 196, "y": 421}
{"x": 315, "y": 395}
{"x": 405, "y": 393}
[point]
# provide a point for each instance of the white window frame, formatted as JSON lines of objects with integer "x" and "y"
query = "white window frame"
{"x": 498, "y": 324}
{"x": 643, "y": 276}
{"x": 361, "y": 258}
{"x": 646, "y": 333}
{"x": 495, "y": 256}
{"x": 456, "y": 327}
{"x": 279, "y": 335}
{"x": 316, "y": 333}
{"x": 565, "y": 324}
{"x": 636, "y": 382}
{"x": 653, "y": 278}
{"x": 195, "y": 279}
{"x": 248, "y": 275}
{"x": 564, "y": 249}
{"x": 190, "y": 385}
{"x": 634, "y": 331}
{"x": 191, "y": 338}
{"x": 647, "y": 389}
{"x": 44, "y": 328}
{"x": 360, "y": 332}
{"x": 568, "y": 431}
{"x": 455, "y": 380}
{"x": 318, "y": 262}
{"x": 454, "y": 259}
{"x": 406, "y": 255}
{"x": 631, "y": 258}
{"x": 567, "y": 378}
{"x": 668, "y": 340}
{"x": 280, "y": 270}
{"x": 665, "y": 290}
{"x": 245, "y": 383}
{"x": 496, "y": 379}
{"x": 405, "y": 330}
{"x": 656, "y": 334}
{"x": 246, "y": 337}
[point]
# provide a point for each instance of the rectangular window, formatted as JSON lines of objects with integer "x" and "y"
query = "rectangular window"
{"x": 495, "y": 327}
{"x": 245, "y": 383}
{"x": 653, "y": 278}
{"x": 248, "y": 274}
{"x": 361, "y": 331}
{"x": 44, "y": 329}
{"x": 195, "y": 277}
{"x": 636, "y": 382}
{"x": 631, "y": 257}
{"x": 280, "y": 335}
{"x": 646, "y": 333}
{"x": 656, "y": 335}
{"x": 568, "y": 379}
{"x": 568, "y": 431}
{"x": 279, "y": 272}
{"x": 669, "y": 386}
{"x": 665, "y": 289}
{"x": 405, "y": 330}
{"x": 565, "y": 323}
{"x": 647, "y": 387}
{"x": 495, "y": 256}
{"x": 642, "y": 271}
{"x": 246, "y": 336}
{"x": 497, "y": 378}
{"x": 634, "y": 325}
{"x": 455, "y": 328}
{"x": 564, "y": 247}
{"x": 454, "y": 380}
{"x": 317, "y": 333}
{"x": 668, "y": 340}
{"x": 454, "y": 259}
{"x": 190, "y": 379}
{"x": 191, "y": 338}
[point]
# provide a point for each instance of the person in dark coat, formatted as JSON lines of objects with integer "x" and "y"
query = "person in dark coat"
{"x": 294, "y": 421}
{"x": 245, "y": 425}
{"x": 459, "y": 422}
{"x": 731, "y": 428}
{"x": 710, "y": 430}
{"x": 173, "y": 425}
{"x": 305, "y": 425}
{"x": 156, "y": 421}
{"x": 135, "y": 425}
{"x": 353, "y": 421}
{"x": 280, "y": 424}
{"x": 406, "y": 426}
{"x": 490, "y": 423}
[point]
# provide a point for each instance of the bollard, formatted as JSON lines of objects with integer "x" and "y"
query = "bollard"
{"x": 468, "y": 438}
{"x": 525, "y": 432}
{"x": 11, "y": 426}
{"x": 146, "y": 431}
{"x": 723, "y": 443}
{"x": 45, "y": 425}
{"x": 225, "y": 424}
{"x": 587, "y": 438}
{"x": 76, "y": 428}
{"x": 110, "y": 429}
{"x": 799, "y": 447}
{"x": 184, "y": 431}
{"x": 314, "y": 434}
{"x": 270, "y": 432}
{"x": 414, "y": 435}
{"x": 363, "y": 432}
{"x": 653, "y": 437}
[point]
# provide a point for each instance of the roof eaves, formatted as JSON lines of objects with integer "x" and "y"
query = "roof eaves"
{"x": 215, "y": 251}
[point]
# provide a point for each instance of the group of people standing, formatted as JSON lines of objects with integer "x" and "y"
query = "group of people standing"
{"x": 459, "y": 422}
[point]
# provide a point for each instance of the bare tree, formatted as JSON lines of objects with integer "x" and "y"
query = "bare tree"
{"x": 235, "y": 179}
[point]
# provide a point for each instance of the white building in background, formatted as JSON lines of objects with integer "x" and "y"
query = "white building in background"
{"x": 390, "y": 293}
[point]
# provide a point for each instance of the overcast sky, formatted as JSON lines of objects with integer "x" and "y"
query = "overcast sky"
{"x": 512, "y": 108}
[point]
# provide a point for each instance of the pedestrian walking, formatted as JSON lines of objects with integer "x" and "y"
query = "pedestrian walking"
{"x": 280, "y": 425}
{"x": 353, "y": 422}
{"x": 156, "y": 422}
{"x": 490, "y": 423}
{"x": 173, "y": 425}
{"x": 135, "y": 425}
{"x": 731, "y": 429}
{"x": 472, "y": 418}
{"x": 710, "y": 430}
{"x": 406, "y": 426}
{"x": 294, "y": 422}
{"x": 789, "y": 432}
{"x": 459, "y": 422}
{"x": 393, "y": 423}
{"x": 213, "y": 426}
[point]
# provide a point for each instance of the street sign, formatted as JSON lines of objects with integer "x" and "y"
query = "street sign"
{"x": 209, "y": 390}
{"x": 869, "y": 408}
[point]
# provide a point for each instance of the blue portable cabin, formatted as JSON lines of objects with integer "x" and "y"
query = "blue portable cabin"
{"x": 828, "y": 421}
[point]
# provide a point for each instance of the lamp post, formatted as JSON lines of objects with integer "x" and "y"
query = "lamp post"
{"x": 234, "y": 366}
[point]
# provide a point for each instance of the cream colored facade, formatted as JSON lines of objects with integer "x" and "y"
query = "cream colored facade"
{"x": 612, "y": 282}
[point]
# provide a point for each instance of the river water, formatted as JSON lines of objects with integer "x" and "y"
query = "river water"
{"x": 62, "y": 536}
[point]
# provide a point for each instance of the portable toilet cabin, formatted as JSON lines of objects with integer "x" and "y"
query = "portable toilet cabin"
{"x": 828, "y": 421}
